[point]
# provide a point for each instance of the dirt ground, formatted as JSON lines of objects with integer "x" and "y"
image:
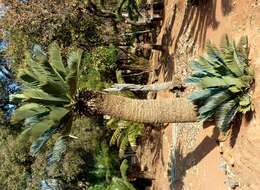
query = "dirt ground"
{"x": 186, "y": 156}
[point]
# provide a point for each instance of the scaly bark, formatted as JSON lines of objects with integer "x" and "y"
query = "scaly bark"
{"x": 168, "y": 110}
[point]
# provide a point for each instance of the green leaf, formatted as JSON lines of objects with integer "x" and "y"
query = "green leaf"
{"x": 28, "y": 77}
{"x": 244, "y": 100}
{"x": 42, "y": 125}
{"x": 202, "y": 95}
{"x": 39, "y": 96}
{"x": 230, "y": 61}
{"x": 27, "y": 111}
{"x": 232, "y": 81}
{"x": 58, "y": 151}
{"x": 55, "y": 60}
{"x": 53, "y": 119}
{"x": 123, "y": 146}
{"x": 192, "y": 80}
{"x": 202, "y": 66}
{"x": 57, "y": 113}
{"x": 134, "y": 130}
{"x": 41, "y": 141}
{"x": 55, "y": 88}
{"x": 207, "y": 110}
{"x": 74, "y": 60}
{"x": 243, "y": 48}
{"x": 234, "y": 89}
{"x": 120, "y": 184}
{"x": 245, "y": 109}
{"x": 207, "y": 82}
{"x": 123, "y": 169}
{"x": 116, "y": 135}
{"x": 226, "y": 113}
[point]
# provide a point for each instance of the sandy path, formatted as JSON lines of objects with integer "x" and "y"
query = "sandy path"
{"x": 198, "y": 163}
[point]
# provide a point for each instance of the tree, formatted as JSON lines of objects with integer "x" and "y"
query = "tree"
{"x": 50, "y": 99}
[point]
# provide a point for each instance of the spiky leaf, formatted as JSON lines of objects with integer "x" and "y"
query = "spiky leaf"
{"x": 74, "y": 60}
{"x": 27, "y": 111}
{"x": 226, "y": 113}
{"x": 225, "y": 78}
{"x": 37, "y": 145}
{"x": 55, "y": 60}
{"x": 58, "y": 151}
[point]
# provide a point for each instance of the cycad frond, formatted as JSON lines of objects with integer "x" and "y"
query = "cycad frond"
{"x": 125, "y": 134}
{"x": 225, "y": 79}
{"x": 134, "y": 131}
{"x": 59, "y": 149}
{"x": 123, "y": 146}
{"x": 38, "y": 144}
{"x": 49, "y": 87}
{"x": 116, "y": 135}
{"x": 55, "y": 60}
{"x": 74, "y": 60}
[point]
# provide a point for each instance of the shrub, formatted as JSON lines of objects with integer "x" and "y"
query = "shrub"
{"x": 226, "y": 79}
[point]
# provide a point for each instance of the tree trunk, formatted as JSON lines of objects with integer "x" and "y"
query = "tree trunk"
{"x": 168, "y": 110}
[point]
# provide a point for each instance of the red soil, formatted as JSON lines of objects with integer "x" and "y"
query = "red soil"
{"x": 199, "y": 164}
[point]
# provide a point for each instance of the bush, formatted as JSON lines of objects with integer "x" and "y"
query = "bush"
{"x": 226, "y": 79}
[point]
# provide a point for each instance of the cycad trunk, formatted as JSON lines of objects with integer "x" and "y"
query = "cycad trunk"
{"x": 168, "y": 110}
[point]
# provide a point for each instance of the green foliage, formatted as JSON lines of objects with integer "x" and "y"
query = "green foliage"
{"x": 69, "y": 160}
{"x": 115, "y": 182}
{"x": 97, "y": 187}
{"x": 99, "y": 67}
{"x": 59, "y": 149}
{"x": 40, "y": 141}
{"x": 125, "y": 134}
{"x": 38, "y": 22}
{"x": 103, "y": 59}
{"x": 49, "y": 88}
{"x": 105, "y": 164}
{"x": 121, "y": 183}
{"x": 132, "y": 8}
{"x": 15, "y": 162}
{"x": 92, "y": 79}
{"x": 225, "y": 79}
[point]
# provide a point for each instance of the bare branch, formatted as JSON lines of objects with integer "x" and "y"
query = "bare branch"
{"x": 149, "y": 87}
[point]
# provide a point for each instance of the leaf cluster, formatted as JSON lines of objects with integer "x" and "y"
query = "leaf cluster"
{"x": 225, "y": 78}
{"x": 125, "y": 134}
{"x": 49, "y": 88}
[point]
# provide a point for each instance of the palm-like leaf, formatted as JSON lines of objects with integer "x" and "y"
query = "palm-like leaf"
{"x": 49, "y": 88}
{"x": 125, "y": 134}
{"x": 58, "y": 151}
{"x": 225, "y": 79}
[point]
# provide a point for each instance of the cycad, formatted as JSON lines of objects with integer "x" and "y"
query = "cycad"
{"x": 49, "y": 88}
{"x": 225, "y": 79}
{"x": 125, "y": 134}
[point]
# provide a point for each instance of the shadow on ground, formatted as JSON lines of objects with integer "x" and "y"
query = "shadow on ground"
{"x": 184, "y": 163}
